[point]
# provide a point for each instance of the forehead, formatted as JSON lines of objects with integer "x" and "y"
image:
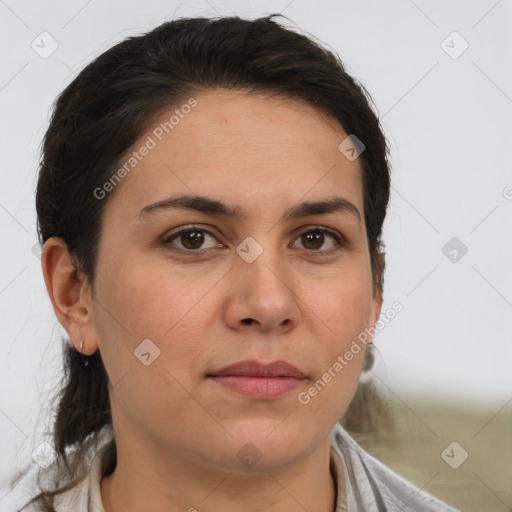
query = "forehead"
{"x": 249, "y": 150}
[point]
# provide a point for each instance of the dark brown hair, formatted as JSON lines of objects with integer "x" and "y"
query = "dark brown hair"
{"x": 103, "y": 111}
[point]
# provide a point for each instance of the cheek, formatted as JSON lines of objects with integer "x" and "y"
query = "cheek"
{"x": 341, "y": 312}
{"x": 148, "y": 301}
{"x": 343, "y": 306}
{"x": 150, "y": 305}
{"x": 339, "y": 359}
{"x": 147, "y": 308}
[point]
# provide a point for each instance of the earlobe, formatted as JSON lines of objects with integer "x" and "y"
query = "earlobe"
{"x": 378, "y": 291}
{"x": 376, "y": 308}
{"x": 65, "y": 288}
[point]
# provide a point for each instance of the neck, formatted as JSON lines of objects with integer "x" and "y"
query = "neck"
{"x": 140, "y": 482}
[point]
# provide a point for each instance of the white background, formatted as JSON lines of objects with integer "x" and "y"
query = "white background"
{"x": 448, "y": 121}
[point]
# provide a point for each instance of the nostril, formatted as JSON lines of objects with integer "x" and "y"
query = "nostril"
{"x": 247, "y": 320}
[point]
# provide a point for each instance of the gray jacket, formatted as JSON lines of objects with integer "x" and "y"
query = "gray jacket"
{"x": 363, "y": 484}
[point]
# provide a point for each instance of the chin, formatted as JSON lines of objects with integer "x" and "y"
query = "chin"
{"x": 262, "y": 445}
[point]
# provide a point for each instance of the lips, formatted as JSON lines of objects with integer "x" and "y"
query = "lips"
{"x": 258, "y": 381}
{"x": 255, "y": 369}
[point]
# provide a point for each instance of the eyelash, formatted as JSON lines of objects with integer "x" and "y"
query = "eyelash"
{"x": 340, "y": 241}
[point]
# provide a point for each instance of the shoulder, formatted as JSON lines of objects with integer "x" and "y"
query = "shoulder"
{"x": 15, "y": 500}
{"x": 82, "y": 496}
{"x": 19, "y": 499}
{"x": 370, "y": 485}
{"x": 15, "y": 495}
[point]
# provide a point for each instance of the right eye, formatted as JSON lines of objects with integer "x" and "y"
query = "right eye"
{"x": 191, "y": 239}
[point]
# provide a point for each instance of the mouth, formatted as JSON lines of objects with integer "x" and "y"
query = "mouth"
{"x": 259, "y": 381}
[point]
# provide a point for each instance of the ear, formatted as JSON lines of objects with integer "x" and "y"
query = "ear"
{"x": 376, "y": 308}
{"x": 377, "y": 294}
{"x": 70, "y": 294}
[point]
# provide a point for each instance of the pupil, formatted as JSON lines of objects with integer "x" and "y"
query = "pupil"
{"x": 312, "y": 238}
{"x": 193, "y": 238}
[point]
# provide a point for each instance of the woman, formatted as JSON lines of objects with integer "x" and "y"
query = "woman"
{"x": 211, "y": 199}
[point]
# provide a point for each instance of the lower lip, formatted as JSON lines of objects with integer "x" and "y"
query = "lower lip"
{"x": 263, "y": 388}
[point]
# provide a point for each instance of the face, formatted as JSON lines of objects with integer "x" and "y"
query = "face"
{"x": 181, "y": 293}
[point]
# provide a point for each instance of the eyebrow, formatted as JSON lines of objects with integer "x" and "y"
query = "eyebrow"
{"x": 211, "y": 206}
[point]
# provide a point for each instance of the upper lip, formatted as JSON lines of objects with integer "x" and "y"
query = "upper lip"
{"x": 251, "y": 368}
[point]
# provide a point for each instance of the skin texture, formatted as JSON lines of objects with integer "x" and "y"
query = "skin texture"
{"x": 178, "y": 433}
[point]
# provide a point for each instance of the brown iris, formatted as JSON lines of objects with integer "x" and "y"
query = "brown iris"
{"x": 310, "y": 237}
{"x": 192, "y": 239}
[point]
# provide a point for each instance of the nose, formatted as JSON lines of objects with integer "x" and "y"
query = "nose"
{"x": 263, "y": 296}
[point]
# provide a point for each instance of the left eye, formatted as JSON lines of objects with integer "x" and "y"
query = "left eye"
{"x": 191, "y": 239}
{"x": 315, "y": 238}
